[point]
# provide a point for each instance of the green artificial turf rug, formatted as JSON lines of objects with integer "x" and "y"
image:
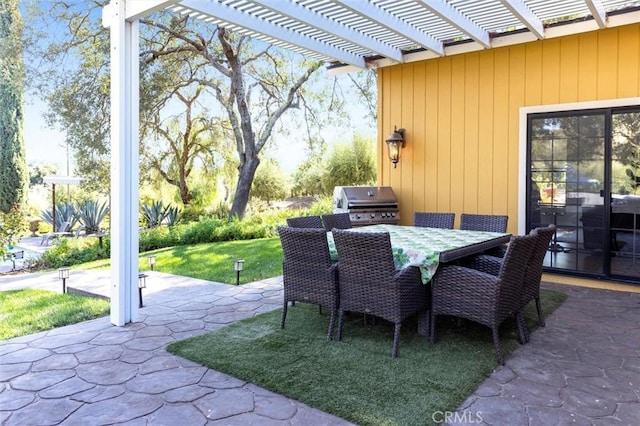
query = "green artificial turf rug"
{"x": 357, "y": 379}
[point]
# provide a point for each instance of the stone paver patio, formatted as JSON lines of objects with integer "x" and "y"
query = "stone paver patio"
{"x": 583, "y": 368}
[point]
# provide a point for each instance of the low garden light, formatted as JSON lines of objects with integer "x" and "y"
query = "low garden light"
{"x": 152, "y": 260}
{"x": 238, "y": 265}
{"x": 63, "y": 274}
{"x": 142, "y": 283}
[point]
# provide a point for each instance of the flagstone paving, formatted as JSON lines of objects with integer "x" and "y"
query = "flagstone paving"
{"x": 583, "y": 368}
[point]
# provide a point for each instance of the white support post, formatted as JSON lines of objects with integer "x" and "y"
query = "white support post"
{"x": 124, "y": 164}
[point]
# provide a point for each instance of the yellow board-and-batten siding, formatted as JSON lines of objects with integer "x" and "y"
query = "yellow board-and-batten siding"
{"x": 461, "y": 115}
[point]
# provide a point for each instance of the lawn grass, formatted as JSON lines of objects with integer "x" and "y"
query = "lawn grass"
{"x": 214, "y": 261}
{"x": 29, "y": 311}
{"x": 357, "y": 379}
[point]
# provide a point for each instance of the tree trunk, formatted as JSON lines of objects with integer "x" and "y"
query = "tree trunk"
{"x": 247, "y": 171}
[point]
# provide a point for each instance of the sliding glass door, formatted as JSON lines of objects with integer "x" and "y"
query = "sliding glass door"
{"x": 625, "y": 194}
{"x": 584, "y": 174}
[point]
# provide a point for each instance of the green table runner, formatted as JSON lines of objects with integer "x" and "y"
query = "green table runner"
{"x": 421, "y": 247}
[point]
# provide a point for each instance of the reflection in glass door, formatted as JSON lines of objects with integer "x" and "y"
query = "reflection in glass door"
{"x": 567, "y": 175}
{"x": 625, "y": 195}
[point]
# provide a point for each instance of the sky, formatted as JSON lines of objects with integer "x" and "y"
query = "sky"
{"x": 47, "y": 146}
{"x": 43, "y": 145}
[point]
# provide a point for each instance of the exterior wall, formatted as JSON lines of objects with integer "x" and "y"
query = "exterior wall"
{"x": 461, "y": 115}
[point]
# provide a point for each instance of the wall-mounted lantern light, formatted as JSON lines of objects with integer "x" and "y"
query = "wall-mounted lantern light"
{"x": 63, "y": 274}
{"x": 142, "y": 283}
{"x": 395, "y": 143}
{"x": 152, "y": 260}
{"x": 238, "y": 265}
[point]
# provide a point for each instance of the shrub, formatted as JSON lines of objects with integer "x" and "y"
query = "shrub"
{"x": 12, "y": 225}
{"x": 70, "y": 251}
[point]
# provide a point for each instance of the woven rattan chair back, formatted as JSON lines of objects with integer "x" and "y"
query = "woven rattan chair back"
{"x": 336, "y": 220}
{"x": 533, "y": 274}
{"x": 482, "y": 297}
{"x": 309, "y": 275}
{"x": 305, "y": 222}
{"x": 483, "y": 222}
{"x": 370, "y": 284}
{"x": 434, "y": 220}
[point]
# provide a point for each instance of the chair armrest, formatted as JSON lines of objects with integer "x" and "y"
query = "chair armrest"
{"x": 408, "y": 276}
{"x": 464, "y": 281}
{"x": 484, "y": 263}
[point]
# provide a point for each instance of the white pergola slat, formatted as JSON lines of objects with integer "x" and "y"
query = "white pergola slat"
{"x": 450, "y": 14}
{"x": 354, "y": 34}
{"x": 524, "y": 14}
{"x": 240, "y": 18}
{"x": 393, "y": 24}
{"x": 326, "y": 25}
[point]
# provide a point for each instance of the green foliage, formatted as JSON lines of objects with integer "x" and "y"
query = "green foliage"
{"x": 269, "y": 183}
{"x": 38, "y": 172}
{"x": 13, "y": 164}
{"x": 307, "y": 179}
{"x": 73, "y": 251}
{"x": 29, "y": 311}
{"x": 12, "y": 225}
{"x": 352, "y": 164}
{"x": 90, "y": 214}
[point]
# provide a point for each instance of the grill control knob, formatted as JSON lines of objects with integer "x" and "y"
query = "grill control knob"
{"x": 373, "y": 215}
{"x": 393, "y": 215}
{"x": 357, "y": 216}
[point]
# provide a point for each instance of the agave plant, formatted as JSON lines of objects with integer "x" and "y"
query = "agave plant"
{"x": 154, "y": 213}
{"x": 65, "y": 212}
{"x": 91, "y": 213}
{"x": 172, "y": 215}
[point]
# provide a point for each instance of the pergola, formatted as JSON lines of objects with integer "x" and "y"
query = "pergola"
{"x": 347, "y": 35}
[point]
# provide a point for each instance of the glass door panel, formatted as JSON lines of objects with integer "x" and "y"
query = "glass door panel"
{"x": 567, "y": 176}
{"x": 625, "y": 195}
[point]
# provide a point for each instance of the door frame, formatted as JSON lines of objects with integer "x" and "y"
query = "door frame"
{"x": 522, "y": 141}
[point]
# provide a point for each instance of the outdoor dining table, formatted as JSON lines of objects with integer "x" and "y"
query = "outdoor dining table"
{"x": 426, "y": 248}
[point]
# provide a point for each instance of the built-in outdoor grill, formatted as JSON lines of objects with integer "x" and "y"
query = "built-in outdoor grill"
{"x": 367, "y": 205}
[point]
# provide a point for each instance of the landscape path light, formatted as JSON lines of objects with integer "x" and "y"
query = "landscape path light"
{"x": 63, "y": 274}
{"x": 238, "y": 265}
{"x": 142, "y": 283}
{"x": 152, "y": 260}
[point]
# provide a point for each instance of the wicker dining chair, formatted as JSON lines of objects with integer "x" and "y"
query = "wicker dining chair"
{"x": 336, "y": 220}
{"x": 370, "y": 284}
{"x": 305, "y": 222}
{"x": 434, "y": 220}
{"x": 309, "y": 275}
{"x": 532, "y": 275}
{"x": 488, "y": 223}
{"x": 481, "y": 297}
{"x": 483, "y": 222}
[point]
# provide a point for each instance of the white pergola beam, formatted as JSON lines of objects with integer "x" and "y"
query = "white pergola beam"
{"x": 524, "y": 14}
{"x": 124, "y": 163}
{"x": 245, "y": 20}
{"x": 394, "y": 24}
{"x": 329, "y": 26}
{"x": 598, "y": 12}
{"x": 136, "y": 9}
{"x": 450, "y": 14}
